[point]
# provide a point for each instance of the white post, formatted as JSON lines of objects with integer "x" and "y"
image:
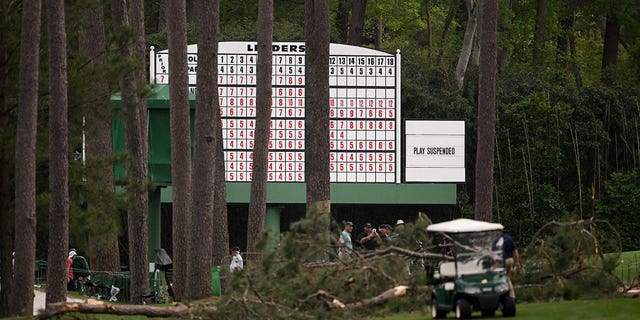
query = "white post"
{"x": 152, "y": 65}
{"x": 398, "y": 118}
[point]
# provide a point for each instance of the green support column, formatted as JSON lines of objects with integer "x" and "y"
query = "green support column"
{"x": 154, "y": 226}
{"x": 272, "y": 223}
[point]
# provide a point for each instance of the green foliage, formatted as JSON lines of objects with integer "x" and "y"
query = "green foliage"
{"x": 620, "y": 205}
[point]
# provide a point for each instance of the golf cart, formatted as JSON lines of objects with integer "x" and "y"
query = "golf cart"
{"x": 475, "y": 279}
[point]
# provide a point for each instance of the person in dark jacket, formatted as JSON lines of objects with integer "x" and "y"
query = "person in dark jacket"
{"x": 369, "y": 237}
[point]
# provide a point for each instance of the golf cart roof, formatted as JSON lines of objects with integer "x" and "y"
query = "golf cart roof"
{"x": 464, "y": 225}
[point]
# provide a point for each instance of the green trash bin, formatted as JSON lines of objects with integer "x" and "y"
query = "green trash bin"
{"x": 215, "y": 281}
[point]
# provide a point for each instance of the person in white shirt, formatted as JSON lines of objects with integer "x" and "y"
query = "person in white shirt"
{"x": 237, "y": 263}
{"x": 346, "y": 246}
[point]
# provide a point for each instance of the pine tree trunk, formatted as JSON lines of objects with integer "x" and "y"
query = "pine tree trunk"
{"x": 356, "y": 26}
{"x": 610, "y": 50}
{"x": 7, "y": 217}
{"x": 204, "y": 155}
{"x": 138, "y": 149}
{"x": 486, "y": 111}
{"x": 105, "y": 254}
{"x": 163, "y": 14}
{"x": 180, "y": 144}
{"x": 539, "y": 36}
{"x": 317, "y": 109}
{"x": 134, "y": 106}
{"x": 467, "y": 43}
{"x": 427, "y": 12}
{"x": 445, "y": 28}
{"x": 57, "y": 272}
{"x": 25, "y": 160}
{"x": 341, "y": 21}
{"x": 220, "y": 248}
{"x": 258, "y": 199}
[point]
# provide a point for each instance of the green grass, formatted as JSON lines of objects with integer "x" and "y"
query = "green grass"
{"x": 616, "y": 309}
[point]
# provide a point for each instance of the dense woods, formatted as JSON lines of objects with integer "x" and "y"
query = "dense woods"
{"x": 567, "y": 111}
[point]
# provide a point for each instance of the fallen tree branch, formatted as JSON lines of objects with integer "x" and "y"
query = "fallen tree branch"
{"x": 397, "y": 291}
{"x": 96, "y": 306}
{"x": 378, "y": 253}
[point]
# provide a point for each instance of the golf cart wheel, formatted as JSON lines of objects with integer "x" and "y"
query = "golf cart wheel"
{"x": 463, "y": 309}
{"x": 508, "y": 307}
{"x": 435, "y": 312}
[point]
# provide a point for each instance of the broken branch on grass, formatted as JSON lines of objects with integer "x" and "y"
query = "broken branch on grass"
{"x": 96, "y": 306}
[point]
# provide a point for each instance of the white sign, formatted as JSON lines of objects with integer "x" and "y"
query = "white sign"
{"x": 364, "y": 101}
{"x": 434, "y": 151}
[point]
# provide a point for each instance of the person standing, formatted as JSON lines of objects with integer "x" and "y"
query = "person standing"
{"x": 237, "y": 264}
{"x": 71, "y": 284}
{"x": 368, "y": 237}
{"x": 511, "y": 258}
{"x": 346, "y": 246}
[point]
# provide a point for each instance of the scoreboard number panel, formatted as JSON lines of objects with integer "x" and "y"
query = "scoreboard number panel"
{"x": 364, "y": 107}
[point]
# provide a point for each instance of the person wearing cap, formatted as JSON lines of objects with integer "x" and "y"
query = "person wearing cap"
{"x": 237, "y": 264}
{"x": 71, "y": 284}
{"x": 368, "y": 237}
{"x": 346, "y": 246}
{"x": 399, "y": 224}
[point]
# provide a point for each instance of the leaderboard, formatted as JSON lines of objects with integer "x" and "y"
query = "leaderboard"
{"x": 362, "y": 104}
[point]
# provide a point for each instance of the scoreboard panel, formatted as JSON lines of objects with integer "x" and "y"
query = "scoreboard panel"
{"x": 363, "y": 105}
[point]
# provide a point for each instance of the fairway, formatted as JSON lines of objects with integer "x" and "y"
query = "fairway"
{"x": 619, "y": 308}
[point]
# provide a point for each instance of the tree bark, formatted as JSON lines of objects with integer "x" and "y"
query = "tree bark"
{"x": 317, "y": 110}
{"x": 356, "y": 26}
{"x": 427, "y": 12}
{"x": 94, "y": 306}
{"x": 221, "y": 235}
{"x": 134, "y": 105}
{"x": 475, "y": 53}
{"x": 445, "y": 28}
{"x": 486, "y": 111}
{"x": 138, "y": 149}
{"x": 163, "y": 14}
{"x": 258, "y": 199}
{"x": 342, "y": 21}
{"x": 539, "y": 36}
{"x": 7, "y": 217}
{"x": 57, "y": 272}
{"x": 180, "y": 144}
{"x": 610, "y": 49}
{"x": 220, "y": 249}
{"x": 105, "y": 254}
{"x": 206, "y": 142}
{"x": 25, "y": 160}
{"x": 467, "y": 43}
